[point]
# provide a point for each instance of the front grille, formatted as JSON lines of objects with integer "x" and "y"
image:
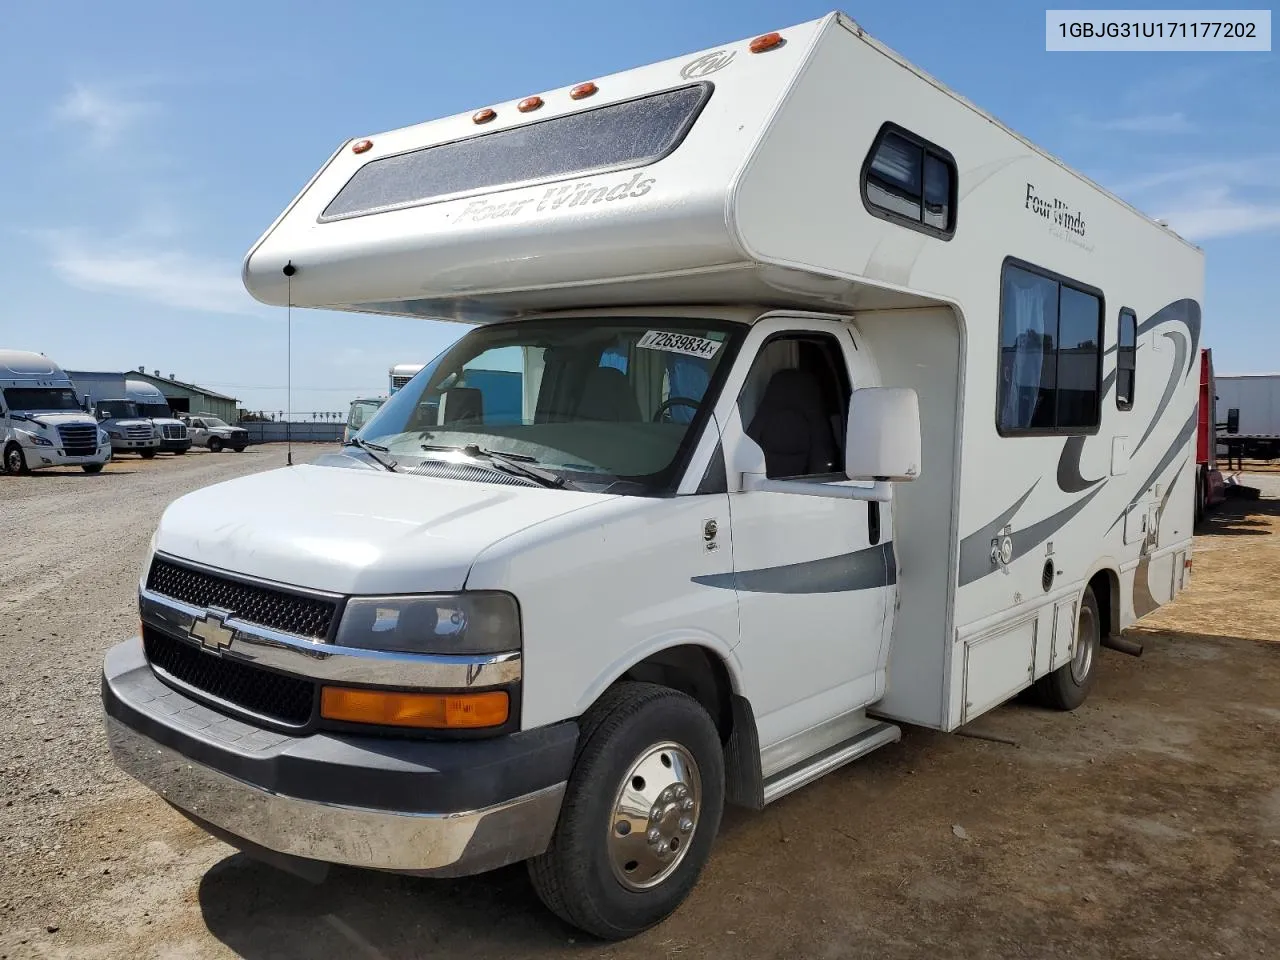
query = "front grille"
{"x": 398, "y": 382}
{"x": 175, "y": 432}
{"x": 78, "y": 439}
{"x": 138, "y": 433}
{"x": 287, "y": 700}
{"x": 291, "y": 613}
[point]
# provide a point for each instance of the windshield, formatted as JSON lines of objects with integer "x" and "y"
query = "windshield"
{"x": 154, "y": 410}
{"x": 41, "y": 399}
{"x": 361, "y": 411}
{"x": 595, "y": 400}
{"x": 117, "y": 409}
{"x": 213, "y": 423}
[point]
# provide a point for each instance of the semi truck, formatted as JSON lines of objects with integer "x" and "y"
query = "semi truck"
{"x": 151, "y": 403}
{"x": 129, "y": 430}
{"x": 1250, "y": 404}
{"x": 42, "y": 419}
{"x": 835, "y": 413}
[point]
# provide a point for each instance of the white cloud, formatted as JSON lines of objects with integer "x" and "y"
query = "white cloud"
{"x": 1153, "y": 123}
{"x": 1216, "y": 212}
{"x": 169, "y": 277}
{"x": 107, "y": 116}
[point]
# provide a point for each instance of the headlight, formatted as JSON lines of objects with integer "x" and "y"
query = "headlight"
{"x": 32, "y": 438}
{"x": 115, "y": 434}
{"x": 460, "y": 623}
{"x": 103, "y": 438}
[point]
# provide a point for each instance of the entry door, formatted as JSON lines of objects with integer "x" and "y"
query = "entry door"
{"x": 812, "y": 574}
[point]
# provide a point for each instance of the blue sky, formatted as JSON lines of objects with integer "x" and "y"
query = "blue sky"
{"x": 149, "y": 144}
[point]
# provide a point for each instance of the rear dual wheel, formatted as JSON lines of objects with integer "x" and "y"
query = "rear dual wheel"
{"x": 640, "y": 812}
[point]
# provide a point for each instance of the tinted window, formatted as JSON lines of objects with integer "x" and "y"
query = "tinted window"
{"x": 40, "y": 398}
{"x": 1126, "y": 359}
{"x": 1050, "y": 371}
{"x": 616, "y": 136}
{"x": 911, "y": 182}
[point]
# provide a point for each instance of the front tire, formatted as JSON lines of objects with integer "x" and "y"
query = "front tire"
{"x": 146, "y": 454}
{"x": 215, "y": 445}
{"x": 92, "y": 467}
{"x": 15, "y": 461}
{"x": 1068, "y": 686}
{"x": 640, "y": 813}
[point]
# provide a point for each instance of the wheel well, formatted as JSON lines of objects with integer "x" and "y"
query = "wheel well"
{"x": 695, "y": 671}
{"x": 1106, "y": 590}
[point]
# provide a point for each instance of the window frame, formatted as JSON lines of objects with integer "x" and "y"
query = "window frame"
{"x": 1126, "y": 312}
{"x": 927, "y": 148}
{"x": 1062, "y": 281}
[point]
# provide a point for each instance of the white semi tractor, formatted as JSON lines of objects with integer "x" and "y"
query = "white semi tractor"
{"x": 42, "y": 421}
{"x": 802, "y": 399}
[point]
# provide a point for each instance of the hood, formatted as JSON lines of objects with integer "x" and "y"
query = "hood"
{"x": 53, "y": 419}
{"x": 354, "y": 531}
{"x": 127, "y": 422}
{"x": 167, "y": 421}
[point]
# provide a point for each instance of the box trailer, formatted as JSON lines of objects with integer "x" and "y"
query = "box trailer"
{"x": 1250, "y": 405}
{"x": 838, "y": 412}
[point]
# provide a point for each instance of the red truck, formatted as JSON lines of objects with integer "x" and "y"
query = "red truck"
{"x": 1210, "y": 486}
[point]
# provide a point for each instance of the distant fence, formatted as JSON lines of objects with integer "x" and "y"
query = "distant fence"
{"x": 300, "y": 432}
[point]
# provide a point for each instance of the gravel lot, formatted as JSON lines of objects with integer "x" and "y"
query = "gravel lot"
{"x": 1146, "y": 824}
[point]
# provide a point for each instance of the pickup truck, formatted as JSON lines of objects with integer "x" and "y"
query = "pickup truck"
{"x": 207, "y": 431}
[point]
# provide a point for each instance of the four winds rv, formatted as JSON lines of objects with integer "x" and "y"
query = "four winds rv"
{"x": 831, "y": 413}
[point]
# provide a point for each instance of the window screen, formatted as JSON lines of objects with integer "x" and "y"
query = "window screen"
{"x": 1126, "y": 359}
{"x": 1050, "y": 354}
{"x": 911, "y": 182}
{"x": 616, "y": 136}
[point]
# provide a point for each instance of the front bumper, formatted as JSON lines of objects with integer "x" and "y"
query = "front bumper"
{"x": 172, "y": 446}
{"x": 426, "y": 807}
{"x": 127, "y": 444}
{"x": 58, "y": 457}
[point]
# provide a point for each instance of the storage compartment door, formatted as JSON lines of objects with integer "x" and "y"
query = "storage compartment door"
{"x": 997, "y": 665}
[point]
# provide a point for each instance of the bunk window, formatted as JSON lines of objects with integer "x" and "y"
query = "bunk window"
{"x": 911, "y": 182}
{"x": 1050, "y": 353}
{"x": 1126, "y": 359}
{"x": 616, "y": 136}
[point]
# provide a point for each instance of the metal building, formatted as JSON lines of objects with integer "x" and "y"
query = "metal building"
{"x": 189, "y": 397}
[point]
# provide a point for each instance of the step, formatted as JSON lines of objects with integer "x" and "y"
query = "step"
{"x": 811, "y": 768}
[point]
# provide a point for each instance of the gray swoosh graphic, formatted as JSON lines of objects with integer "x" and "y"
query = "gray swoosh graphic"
{"x": 1183, "y": 436}
{"x": 975, "y": 549}
{"x": 1069, "y": 478}
{"x": 861, "y": 570}
{"x": 1175, "y": 377}
{"x": 1185, "y": 312}
{"x": 1037, "y": 533}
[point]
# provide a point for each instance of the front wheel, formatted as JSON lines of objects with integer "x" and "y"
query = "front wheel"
{"x": 15, "y": 460}
{"x": 91, "y": 467}
{"x": 146, "y": 454}
{"x": 215, "y": 445}
{"x": 1068, "y": 686}
{"x": 640, "y": 813}
{"x": 239, "y": 449}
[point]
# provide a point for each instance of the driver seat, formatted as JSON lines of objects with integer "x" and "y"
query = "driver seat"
{"x": 607, "y": 395}
{"x": 792, "y": 428}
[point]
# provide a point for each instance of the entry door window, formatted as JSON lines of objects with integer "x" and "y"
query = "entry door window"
{"x": 794, "y": 405}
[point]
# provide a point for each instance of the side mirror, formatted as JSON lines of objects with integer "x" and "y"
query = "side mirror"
{"x": 883, "y": 437}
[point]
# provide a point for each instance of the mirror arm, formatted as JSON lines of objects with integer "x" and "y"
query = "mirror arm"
{"x": 880, "y": 492}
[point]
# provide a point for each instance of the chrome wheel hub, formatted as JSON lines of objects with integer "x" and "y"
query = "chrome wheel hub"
{"x": 655, "y": 815}
{"x": 1082, "y": 661}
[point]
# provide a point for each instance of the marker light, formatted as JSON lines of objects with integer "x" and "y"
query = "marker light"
{"x": 360, "y": 146}
{"x": 432, "y": 711}
{"x": 528, "y": 104}
{"x": 766, "y": 42}
{"x": 484, "y": 116}
{"x": 583, "y": 90}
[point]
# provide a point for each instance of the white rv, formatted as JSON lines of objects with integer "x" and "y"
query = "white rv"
{"x": 834, "y": 412}
{"x": 42, "y": 419}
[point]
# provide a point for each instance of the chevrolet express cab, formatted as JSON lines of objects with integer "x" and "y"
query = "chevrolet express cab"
{"x": 819, "y": 413}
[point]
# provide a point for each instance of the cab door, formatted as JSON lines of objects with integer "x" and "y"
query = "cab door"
{"x": 814, "y": 575}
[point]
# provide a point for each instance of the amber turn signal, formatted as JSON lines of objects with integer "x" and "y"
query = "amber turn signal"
{"x": 529, "y": 103}
{"x": 766, "y": 42}
{"x": 484, "y": 116}
{"x": 360, "y": 146}
{"x": 583, "y": 90}
{"x": 433, "y": 711}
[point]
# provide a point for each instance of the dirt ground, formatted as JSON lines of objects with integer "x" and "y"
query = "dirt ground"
{"x": 1144, "y": 825}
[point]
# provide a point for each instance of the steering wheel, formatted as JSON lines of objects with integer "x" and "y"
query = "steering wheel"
{"x": 670, "y": 402}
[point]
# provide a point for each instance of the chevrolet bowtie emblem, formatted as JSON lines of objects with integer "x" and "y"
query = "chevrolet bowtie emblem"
{"x": 212, "y": 631}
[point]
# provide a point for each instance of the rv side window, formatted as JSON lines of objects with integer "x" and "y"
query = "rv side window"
{"x": 911, "y": 182}
{"x": 794, "y": 404}
{"x": 1050, "y": 356}
{"x": 1126, "y": 359}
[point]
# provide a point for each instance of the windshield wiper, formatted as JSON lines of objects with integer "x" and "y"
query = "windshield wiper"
{"x": 369, "y": 449}
{"x": 515, "y": 463}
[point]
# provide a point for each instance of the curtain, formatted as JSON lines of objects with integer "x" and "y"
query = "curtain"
{"x": 1024, "y": 304}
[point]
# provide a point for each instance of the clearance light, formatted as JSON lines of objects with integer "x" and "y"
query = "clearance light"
{"x": 360, "y": 146}
{"x": 528, "y": 104}
{"x": 484, "y": 116}
{"x": 766, "y": 42}
{"x": 433, "y": 711}
{"x": 583, "y": 90}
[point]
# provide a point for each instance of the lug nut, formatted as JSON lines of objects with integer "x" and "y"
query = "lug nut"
{"x": 654, "y": 836}
{"x": 682, "y": 791}
{"x": 687, "y": 804}
{"x": 686, "y": 824}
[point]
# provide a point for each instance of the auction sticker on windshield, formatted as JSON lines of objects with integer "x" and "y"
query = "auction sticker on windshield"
{"x": 679, "y": 343}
